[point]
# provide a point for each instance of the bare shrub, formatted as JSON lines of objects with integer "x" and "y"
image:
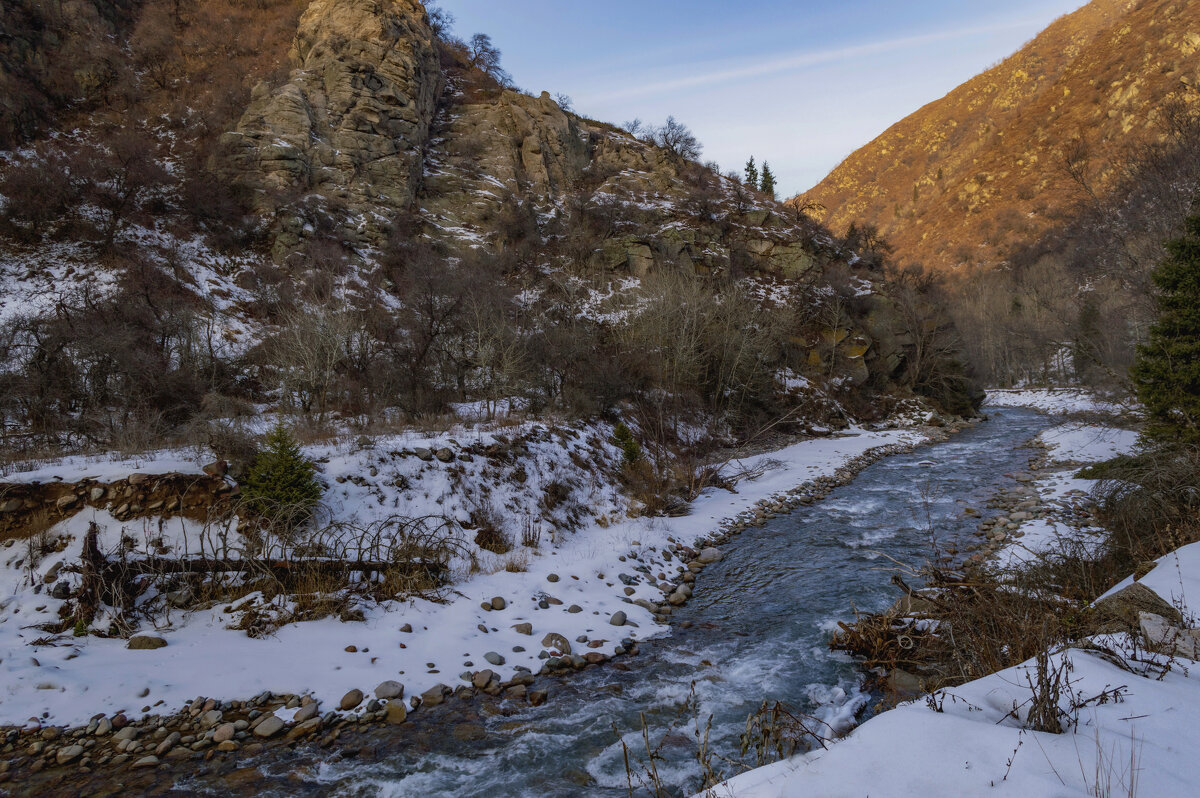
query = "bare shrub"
{"x": 1149, "y": 503}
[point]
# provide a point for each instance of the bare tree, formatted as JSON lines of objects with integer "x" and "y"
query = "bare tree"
{"x": 308, "y": 350}
{"x": 485, "y": 56}
{"x": 675, "y": 137}
{"x": 441, "y": 21}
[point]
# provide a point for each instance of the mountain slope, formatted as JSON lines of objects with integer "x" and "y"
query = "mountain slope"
{"x": 1002, "y": 158}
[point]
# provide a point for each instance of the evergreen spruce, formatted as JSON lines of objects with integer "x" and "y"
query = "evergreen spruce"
{"x": 1167, "y": 371}
{"x": 768, "y": 181}
{"x": 282, "y": 484}
{"x": 751, "y": 173}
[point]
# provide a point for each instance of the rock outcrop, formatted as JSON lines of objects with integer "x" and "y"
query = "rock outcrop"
{"x": 352, "y": 121}
{"x": 369, "y": 125}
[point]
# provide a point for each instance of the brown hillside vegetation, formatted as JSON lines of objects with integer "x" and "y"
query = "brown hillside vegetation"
{"x": 1005, "y": 157}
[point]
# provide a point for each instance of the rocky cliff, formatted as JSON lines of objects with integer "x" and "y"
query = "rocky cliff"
{"x": 1002, "y": 158}
{"x": 352, "y": 121}
{"x": 376, "y": 121}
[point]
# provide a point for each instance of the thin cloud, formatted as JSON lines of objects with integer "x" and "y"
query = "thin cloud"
{"x": 799, "y": 61}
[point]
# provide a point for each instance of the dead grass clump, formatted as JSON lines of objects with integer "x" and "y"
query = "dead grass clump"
{"x": 983, "y": 625}
{"x": 1150, "y": 504}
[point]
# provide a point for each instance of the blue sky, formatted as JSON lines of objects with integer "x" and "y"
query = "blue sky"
{"x": 799, "y": 84}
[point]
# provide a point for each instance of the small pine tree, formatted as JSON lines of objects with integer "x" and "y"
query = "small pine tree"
{"x": 282, "y": 483}
{"x": 767, "y": 186}
{"x": 751, "y": 173}
{"x": 631, "y": 452}
{"x": 1166, "y": 373}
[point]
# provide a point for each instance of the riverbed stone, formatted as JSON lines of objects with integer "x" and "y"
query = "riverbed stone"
{"x": 618, "y": 618}
{"x": 434, "y": 695}
{"x": 269, "y": 727}
{"x": 395, "y": 712}
{"x": 351, "y": 700}
{"x": 557, "y": 642}
{"x": 493, "y": 658}
{"x": 389, "y": 689}
{"x": 709, "y": 556}
{"x": 225, "y": 731}
{"x": 68, "y": 754}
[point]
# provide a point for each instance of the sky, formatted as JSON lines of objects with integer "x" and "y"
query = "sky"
{"x": 799, "y": 84}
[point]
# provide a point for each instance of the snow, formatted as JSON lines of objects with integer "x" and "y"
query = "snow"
{"x": 1131, "y": 733}
{"x": 1088, "y": 443}
{"x": 1176, "y": 578}
{"x": 106, "y": 467}
{"x": 69, "y": 679}
{"x": 1055, "y": 401}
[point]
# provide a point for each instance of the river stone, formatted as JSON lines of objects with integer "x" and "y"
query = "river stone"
{"x": 224, "y": 732}
{"x": 574, "y": 608}
{"x": 537, "y": 697}
{"x": 552, "y": 578}
{"x": 145, "y": 641}
{"x": 167, "y": 743}
{"x": 556, "y": 641}
{"x": 308, "y": 711}
{"x": 351, "y": 700}
{"x": 396, "y": 712}
{"x": 269, "y": 727}
{"x": 68, "y": 754}
{"x": 494, "y": 658}
{"x": 498, "y": 603}
{"x": 710, "y": 555}
{"x": 618, "y": 618}
{"x": 389, "y": 689}
{"x": 145, "y": 762}
{"x": 434, "y": 695}
{"x": 304, "y": 729}
{"x": 481, "y": 678}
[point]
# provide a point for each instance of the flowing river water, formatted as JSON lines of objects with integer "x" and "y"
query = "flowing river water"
{"x": 759, "y": 625}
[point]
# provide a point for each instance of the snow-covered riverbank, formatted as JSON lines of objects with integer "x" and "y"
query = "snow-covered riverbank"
{"x": 1129, "y": 733}
{"x": 570, "y": 585}
{"x": 1132, "y": 732}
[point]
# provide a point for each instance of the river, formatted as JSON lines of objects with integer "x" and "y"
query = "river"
{"x": 756, "y": 629}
